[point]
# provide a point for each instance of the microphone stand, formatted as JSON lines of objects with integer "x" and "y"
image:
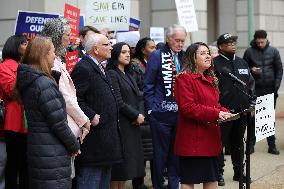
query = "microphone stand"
{"x": 248, "y": 111}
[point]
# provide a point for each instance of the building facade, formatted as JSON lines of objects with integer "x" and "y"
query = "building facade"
{"x": 214, "y": 17}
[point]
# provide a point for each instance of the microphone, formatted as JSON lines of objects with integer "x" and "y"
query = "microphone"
{"x": 226, "y": 72}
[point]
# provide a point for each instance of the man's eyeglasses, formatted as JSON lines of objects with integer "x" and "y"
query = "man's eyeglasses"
{"x": 230, "y": 44}
{"x": 107, "y": 44}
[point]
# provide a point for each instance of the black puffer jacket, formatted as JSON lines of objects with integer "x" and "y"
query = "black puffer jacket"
{"x": 50, "y": 140}
{"x": 268, "y": 59}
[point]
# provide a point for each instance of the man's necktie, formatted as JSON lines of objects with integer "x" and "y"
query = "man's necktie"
{"x": 176, "y": 63}
{"x": 101, "y": 68}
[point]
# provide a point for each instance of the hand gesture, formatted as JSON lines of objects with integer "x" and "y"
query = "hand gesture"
{"x": 140, "y": 119}
{"x": 95, "y": 121}
{"x": 225, "y": 115}
{"x": 76, "y": 153}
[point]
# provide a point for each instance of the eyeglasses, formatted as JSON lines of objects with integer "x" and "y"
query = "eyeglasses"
{"x": 106, "y": 44}
{"x": 230, "y": 44}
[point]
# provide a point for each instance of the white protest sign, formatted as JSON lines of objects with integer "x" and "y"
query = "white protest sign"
{"x": 186, "y": 15}
{"x": 111, "y": 14}
{"x": 157, "y": 34}
{"x": 264, "y": 117}
{"x": 131, "y": 37}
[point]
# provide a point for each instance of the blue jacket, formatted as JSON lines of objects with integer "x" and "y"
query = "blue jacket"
{"x": 154, "y": 89}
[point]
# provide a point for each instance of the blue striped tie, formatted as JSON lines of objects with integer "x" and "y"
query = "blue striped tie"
{"x": 176, "y": 63}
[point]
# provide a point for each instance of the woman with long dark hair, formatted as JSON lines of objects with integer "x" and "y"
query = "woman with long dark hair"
{"x": 14, "y": 126}
{"x": 130, "y": 116}
{"x": 144, "y": 48}
{"x": 198, "y": 136}
{"x": 51, "y": 142}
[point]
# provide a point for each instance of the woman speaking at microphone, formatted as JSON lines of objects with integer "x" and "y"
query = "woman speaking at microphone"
{"x": 198, "y": 137}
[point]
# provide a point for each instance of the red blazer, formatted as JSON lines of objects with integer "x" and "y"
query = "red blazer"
{"x": 198, "y": 133}
{"x": 14, "y": 112}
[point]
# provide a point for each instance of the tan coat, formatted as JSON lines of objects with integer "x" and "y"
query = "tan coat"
{"x": 75, "y": 116}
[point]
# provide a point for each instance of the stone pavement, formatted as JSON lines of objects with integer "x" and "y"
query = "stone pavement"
{"x": 267, "y": 170}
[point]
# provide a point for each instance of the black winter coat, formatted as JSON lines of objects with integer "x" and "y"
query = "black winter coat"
{"x": 50, "y": 140}
{"x": 127, "y": 95}
{"x": 269, "y": 60}
{"x": 102, "y": 146}
{"x": 230, "y": 96}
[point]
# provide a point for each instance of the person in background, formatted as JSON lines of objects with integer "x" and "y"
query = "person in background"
{"x": 144, "y": 48}
{"x": 78, "y": 122}
{"x": 233, "y": 99}
{"x": 198, "y": 138}
{"x": 83, "y": 33}
{"x": 213, "y": 51}
{"x": 102, "y": 147}
{"x": 130, "y": 116}
{"x": 51, "y": 142}
{"x": 162, "y": 67}
{"x": 266, "y": 67}
{"x": 3, "y": 154}
{"x": 14, "y": 126}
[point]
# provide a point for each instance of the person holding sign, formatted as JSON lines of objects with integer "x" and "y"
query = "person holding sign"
{"x": 198, "y": 138}
{"x": 162, "y": 67}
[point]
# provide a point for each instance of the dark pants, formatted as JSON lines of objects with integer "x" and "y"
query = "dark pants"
{"x": 16, "y": 166}
{"x": 163, "y": 139}
{"x": 231, "y": 133}
{"x": 270, "y": 139}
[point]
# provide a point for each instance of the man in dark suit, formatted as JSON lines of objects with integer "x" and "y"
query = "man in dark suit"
{"x": 102, "y": 146}
{"x": 162, "y": 67}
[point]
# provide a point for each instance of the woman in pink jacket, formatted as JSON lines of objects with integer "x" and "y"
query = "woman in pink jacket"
{"x": 59, "y": 31}
{"x": 14, "y": 127}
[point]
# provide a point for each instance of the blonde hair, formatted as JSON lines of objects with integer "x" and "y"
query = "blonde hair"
{"x": 36, "y": 54}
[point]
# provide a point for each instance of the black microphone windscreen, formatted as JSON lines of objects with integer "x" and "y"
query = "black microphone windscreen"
{"x": 225, "y": 71}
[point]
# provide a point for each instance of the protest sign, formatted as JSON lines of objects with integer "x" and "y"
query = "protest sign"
{"x": 111, "y": 14}
{"x": 186, "y": 15}
{"x": 30, "y": 23}
{"x": 157, "y": 34}
{"x": 72, "y": 14}
{"x": 264, "y": 117}
{"x": 129, "y": 37}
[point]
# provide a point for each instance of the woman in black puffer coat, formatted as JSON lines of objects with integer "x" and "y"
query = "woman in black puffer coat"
{"x": 50, "y": 141}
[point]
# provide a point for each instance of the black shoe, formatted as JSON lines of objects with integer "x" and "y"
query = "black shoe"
{"x": 237, "y": 178}
{"x": 273, "y": 150}
{"x": 221, "y": 181}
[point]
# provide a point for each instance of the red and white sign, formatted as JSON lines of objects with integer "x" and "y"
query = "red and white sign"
{"x": 72, "y": 14}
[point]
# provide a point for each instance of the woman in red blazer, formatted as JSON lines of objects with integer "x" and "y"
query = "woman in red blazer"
{"x": 198, "y": 137}
{"x": 14, "y": 128}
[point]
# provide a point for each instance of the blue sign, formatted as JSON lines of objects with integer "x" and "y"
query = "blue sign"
{"x": 31, "y": 23}
{"x": 82, "y": 22}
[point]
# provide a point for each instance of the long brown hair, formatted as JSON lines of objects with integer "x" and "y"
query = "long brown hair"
{"x": 36, "y": 54}
{"x": 190, "y": 62}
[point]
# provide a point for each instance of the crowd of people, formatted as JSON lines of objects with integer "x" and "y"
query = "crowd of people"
{"x": 122, "y": 106}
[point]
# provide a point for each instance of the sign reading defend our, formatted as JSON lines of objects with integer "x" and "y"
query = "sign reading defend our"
{"x": 30, "y": 23}
{"x": 112, "y": 14}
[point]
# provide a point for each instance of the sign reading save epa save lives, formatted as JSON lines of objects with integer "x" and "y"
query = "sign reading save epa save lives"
{"x": 31, "y": 23}
{"x": 112, "y": 14}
